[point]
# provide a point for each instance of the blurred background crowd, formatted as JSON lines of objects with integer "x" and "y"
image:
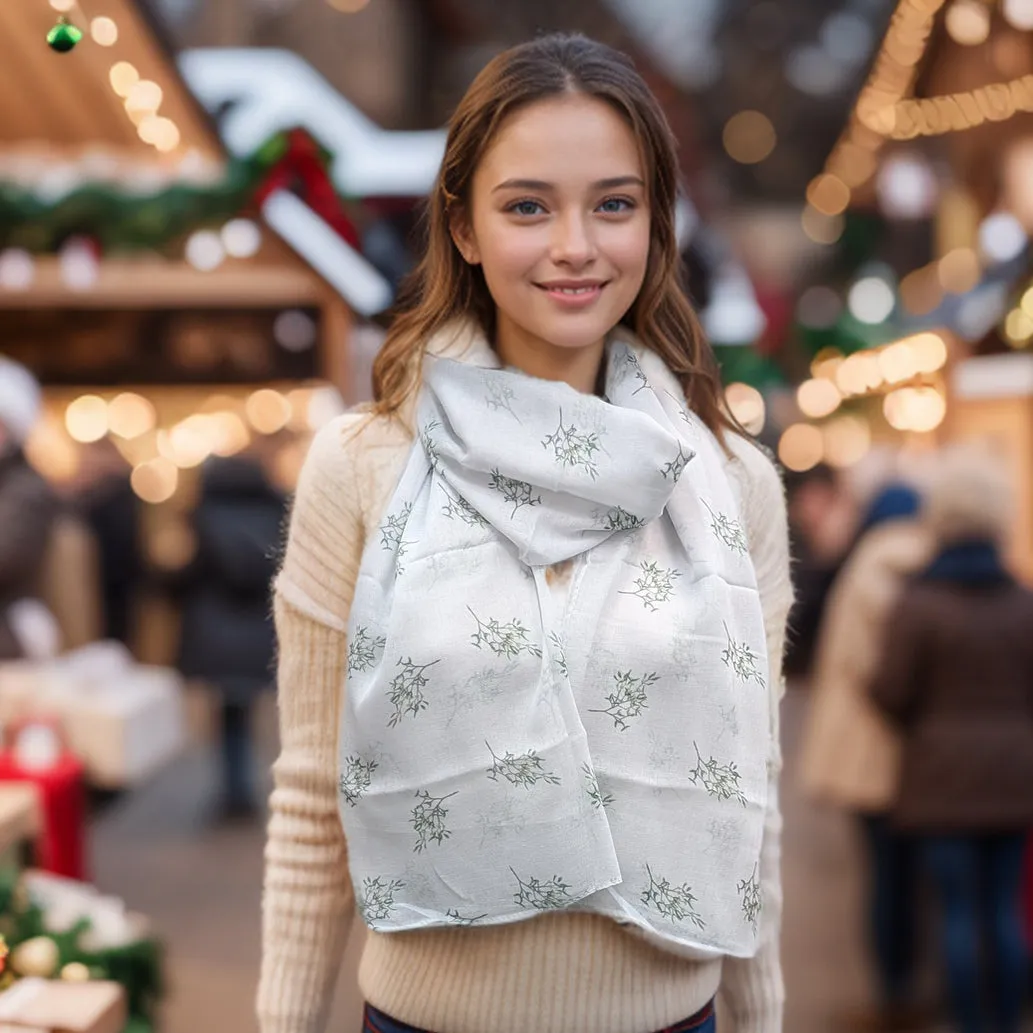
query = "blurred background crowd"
{"x": 206, "y": 208}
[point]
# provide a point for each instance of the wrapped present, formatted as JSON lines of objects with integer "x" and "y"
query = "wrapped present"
{"x": 48, "y": 1006}
{"x": 123, "y": 720}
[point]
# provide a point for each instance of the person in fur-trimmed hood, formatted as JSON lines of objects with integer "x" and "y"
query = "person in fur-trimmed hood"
{"x": 27, "y": 513}
{"x": 956, "y": 681}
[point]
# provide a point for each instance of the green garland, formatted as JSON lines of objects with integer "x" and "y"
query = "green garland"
{"x": 123, "y": 221}
{"x": 137, "y": 966}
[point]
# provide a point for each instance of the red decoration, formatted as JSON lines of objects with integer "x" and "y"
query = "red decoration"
{"x": 303, "y": 169}
{"x": 61, "y": 845}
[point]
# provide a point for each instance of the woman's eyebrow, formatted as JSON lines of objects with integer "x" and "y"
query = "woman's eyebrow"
{"x": 540, "y": 184}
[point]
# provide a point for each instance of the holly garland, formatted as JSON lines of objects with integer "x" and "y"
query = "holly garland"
{"x": 120, "y": 220}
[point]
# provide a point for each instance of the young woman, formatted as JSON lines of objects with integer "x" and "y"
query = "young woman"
{"x": 551, "y": 578}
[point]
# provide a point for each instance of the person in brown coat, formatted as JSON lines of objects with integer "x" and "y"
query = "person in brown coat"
{"x": 957, "y": 680}
{"x": 28, "y": 509}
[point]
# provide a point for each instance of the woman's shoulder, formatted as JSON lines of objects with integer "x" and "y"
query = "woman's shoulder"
{"x": 349, "y": 443}
{"x": 753, "y": 467}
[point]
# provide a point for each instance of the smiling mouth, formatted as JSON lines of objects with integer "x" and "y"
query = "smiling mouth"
{"x": 572, "y": 291}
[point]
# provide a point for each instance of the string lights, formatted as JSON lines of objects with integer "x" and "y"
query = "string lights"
{"x": 884, "y": 110}
{"x": 142, "y": 98}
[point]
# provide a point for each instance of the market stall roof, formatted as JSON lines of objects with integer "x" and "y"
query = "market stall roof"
{"x": 66, "y": 102}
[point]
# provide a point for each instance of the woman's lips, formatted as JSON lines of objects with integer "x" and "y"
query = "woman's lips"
{"x": 573, "y": 296}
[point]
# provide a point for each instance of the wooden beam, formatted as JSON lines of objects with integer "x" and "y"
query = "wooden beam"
{"x": 134, "y": 284}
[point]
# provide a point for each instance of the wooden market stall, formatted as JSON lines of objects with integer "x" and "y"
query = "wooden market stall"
{"x": 935, "y": 167}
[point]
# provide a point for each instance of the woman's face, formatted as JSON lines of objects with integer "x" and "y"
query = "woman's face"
{"x": 559, "y": 222}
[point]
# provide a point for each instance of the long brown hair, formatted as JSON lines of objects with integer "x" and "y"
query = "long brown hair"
{"x": 444, "y": 286}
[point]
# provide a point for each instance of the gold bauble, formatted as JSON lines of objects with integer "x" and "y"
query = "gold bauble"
{"x": 75, "y": 972}
{"x": 36, "y": 957}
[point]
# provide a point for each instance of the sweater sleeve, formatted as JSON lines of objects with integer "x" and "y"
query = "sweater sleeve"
{"x": 752, "y": 988}
{"x": 308, "y": 902}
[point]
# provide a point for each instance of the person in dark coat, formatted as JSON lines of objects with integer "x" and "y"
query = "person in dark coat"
{"x": 957, "y": 679}
{"x": 28, "y": 509}
{"x": 228, "y": 639}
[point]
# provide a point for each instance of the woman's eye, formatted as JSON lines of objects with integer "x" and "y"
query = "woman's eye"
{"x": 526, "y": 208}
{"x": 616, "y": 205}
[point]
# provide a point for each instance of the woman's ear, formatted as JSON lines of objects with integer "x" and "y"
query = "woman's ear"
{"x": 463, "y": 236}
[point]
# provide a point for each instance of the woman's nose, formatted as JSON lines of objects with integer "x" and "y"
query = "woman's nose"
{"x": 573, "y": 242}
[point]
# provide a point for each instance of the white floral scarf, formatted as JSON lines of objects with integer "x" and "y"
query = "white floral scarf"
{"x": 504, "y": 752}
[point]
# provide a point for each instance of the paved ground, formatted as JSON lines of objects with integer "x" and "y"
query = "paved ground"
{"x": 201, "y": 885}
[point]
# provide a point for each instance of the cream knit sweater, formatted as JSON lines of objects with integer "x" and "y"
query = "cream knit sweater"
{"x": 558, "y": 973}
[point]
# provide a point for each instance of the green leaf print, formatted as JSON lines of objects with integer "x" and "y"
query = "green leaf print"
{"x": 676, "y": 467}
{"x": 392, "y": 531}
{"x": 364, "y": 651}
{"x": 618, "y": 519}
{"x": 538, "y": 895}
{"x": 500, "y": 398}
{"x": 655, "y": 586}
{"x": 628, "y": 699}
{"x": 519, "y": 493}
{"x": 356, "y": 778}
{"x": 560, "y": 654}
{"x": 430, "y": 444}
{"x": 572, "y": 448}
{"x": 525, "y": 769}
{"x": 508, "y": 640}
{"x": 428, "y": 820}
{"x": 752, "y": 904}
{"x": 721, "y": 781}
{"x": 453, "y": 915}
{"x": 376, "y": 898}
{"x": 728, "y": 531}
{"x": 406, "y": 692}
{"x": 738, "y": 657}
{"x": 675, "y": 903}
{"x": 595, "y": 794}
{"x": 457, "y": 508}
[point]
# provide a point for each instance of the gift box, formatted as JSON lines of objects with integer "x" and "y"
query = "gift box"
{"x": 49, "y": 1006}
{"x": 123, "y": 720}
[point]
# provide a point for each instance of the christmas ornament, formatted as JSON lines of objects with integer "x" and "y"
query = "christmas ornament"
{"x": 75, "y": 972}
{"x": 64, "y": 36}
{"x": 36, "y": 957}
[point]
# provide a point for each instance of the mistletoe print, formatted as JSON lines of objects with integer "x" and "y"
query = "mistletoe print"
{"x": 676, "y": 467}
{"x": 376, "y": 898}
{"x": 628, "y": 699}
{"x": 542, "y": 895}
{"x": 508, "y": 640}
{"x": 428, "y": 819}
{"x": 572, "y": 448}
{"x": 356, "y": 778}
{"x": 406, "y": 692}
{"x": 675, "y": 903}
{"x": 739, "y": 658}
{"x": 728, "y": 531}
{"x": 519, "y": 493}
{"x": 752, "y": 904}
{"x": 525, "y": 769}
{"x": 655, "y": 585}
{"x": 619, "y": 519}
{"x": 595, "y": 794}
{"x": 722, "y": 781}
{"x": 364, "y": 651}
{"x": 392, "y": 531}
{"x": 457, "y": 508}
{"x": 501, "y": 397}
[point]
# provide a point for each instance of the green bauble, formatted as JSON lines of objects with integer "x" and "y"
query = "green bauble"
{"x": 64, "y": 36}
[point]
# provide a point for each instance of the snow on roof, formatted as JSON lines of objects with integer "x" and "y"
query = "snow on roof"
{"x": 270, "y": 90}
